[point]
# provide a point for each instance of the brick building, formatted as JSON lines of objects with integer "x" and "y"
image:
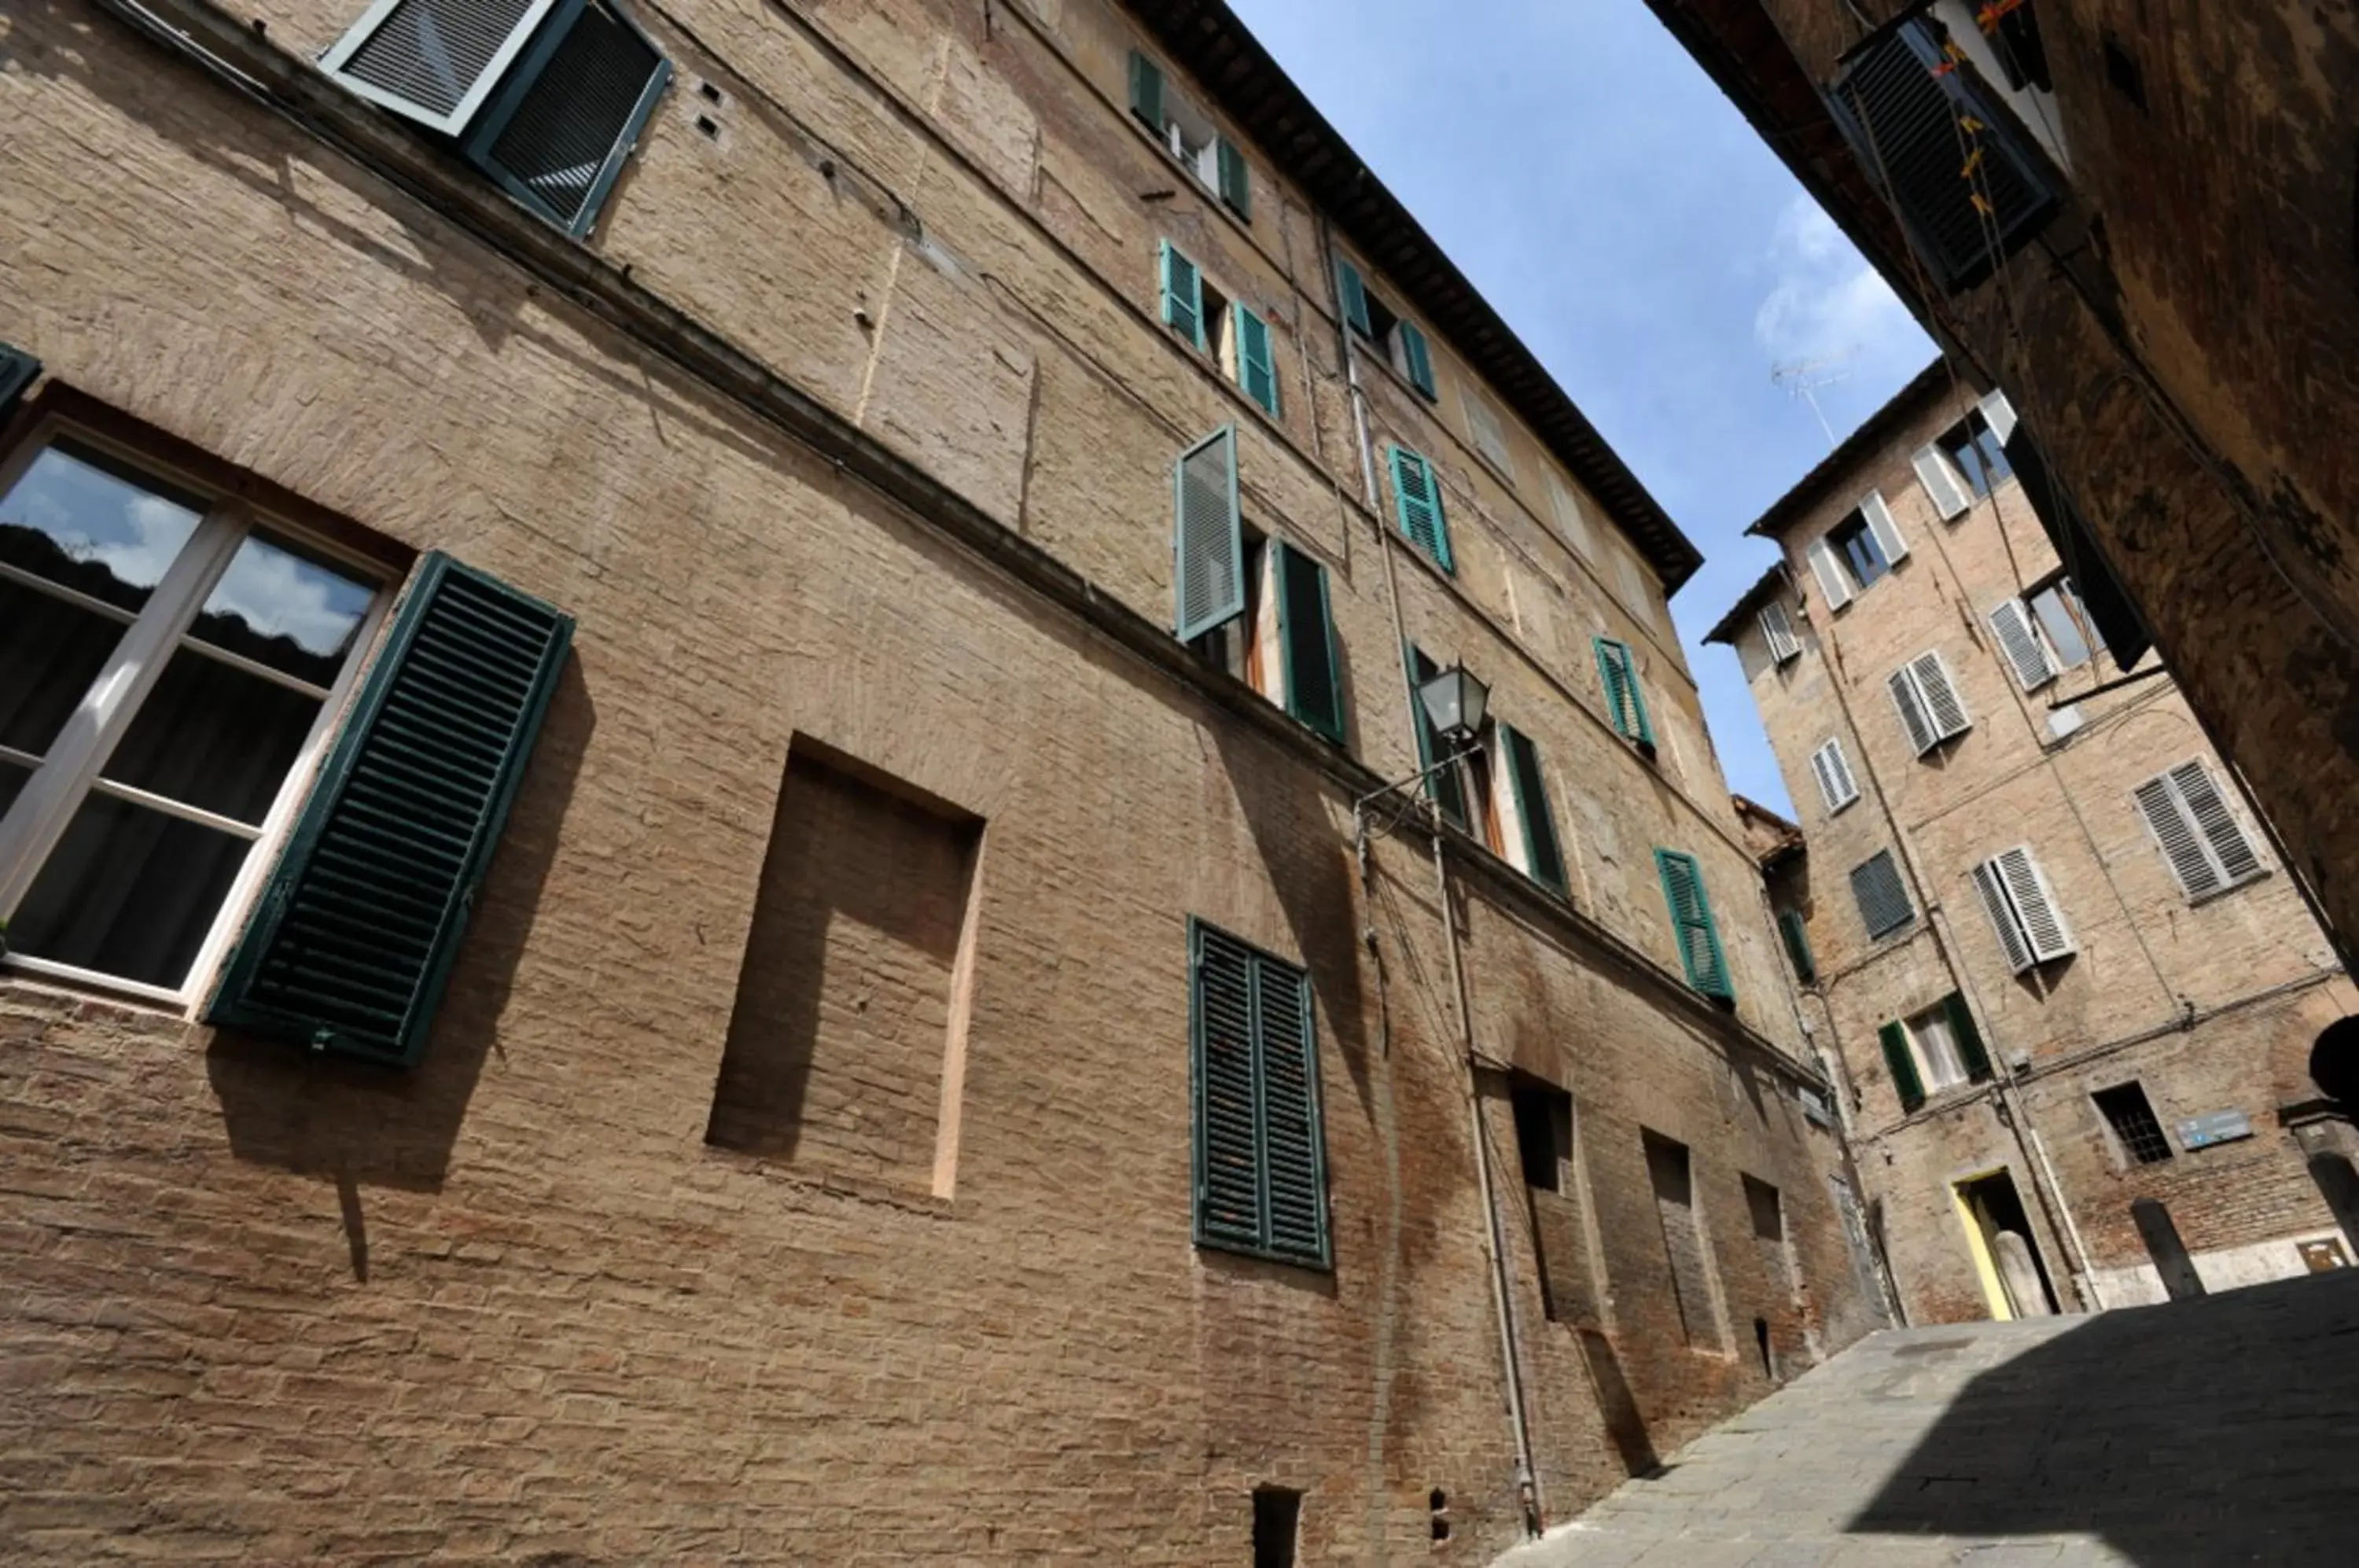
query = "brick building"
{"x": 2138, "y": 216}
{"x": 2070, "y": 993}
{"x": 754, "y": 938}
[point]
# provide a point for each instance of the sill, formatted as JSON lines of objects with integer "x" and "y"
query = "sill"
{"x": 1837, "y": 810}
{"x": 1289, "y": 1259}
{"x": 2217, "y": 894}
{"x": 129, "y": 994}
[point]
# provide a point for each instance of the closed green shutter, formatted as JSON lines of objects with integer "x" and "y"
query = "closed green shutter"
{"x": 1208, "y": 543}
{"x": 1257, "y": 372}
{"x": 18, "y": 370}
{"x": 1693, "y": 925}
{"x": 1146, "y": 91}
{"x": 1542, "y": 857}
{"x": 1260, "y": 1155}
{"x": 1442, "y": 784}
{"x": 357, "y": 929}
{"x": 1969, "y": 1039}
{"x": 1353, "y": 292}
{"x": 1902, "y": 1065}
{"x": 1420, "y": 358}
{"x": 1183, "y": 297}
{"x": 1236, "y": 180}
{"x": 1306, "y": 640}
{"x": 1417, "y": 503}
{"x": 558, "y": 134}
{"x": 1618, "y": 671}
{"x": 1797, "y": 946}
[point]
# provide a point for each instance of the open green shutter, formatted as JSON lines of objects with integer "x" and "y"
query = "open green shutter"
{"x": 357, "y": 929}
{"x": 1208, "y": 543}
{"x": 1442, "y": 784}
{"x": 1416, "y": 504}
{"x": 1797, "y": 946}
{"x": 18, "y": 370}
{"x": 1257, "y": 372}
{"x": 1969, "y": 1038}
{"x": 1236, "y": 180}
{"x": 1183, "y": 296}
{"x": 1618, "y": 671}
{"x": 570, "y": 113}
{"x": 1542, "y": 857}
{"x": 1692, "y": 924}
{"x": 1902, "y": 1065}
{"x": 1306, "y": 640}
{"x": 1353, "y": 292}
{"x": 1146, "y": 91}
{"x": 1420, "y": 358}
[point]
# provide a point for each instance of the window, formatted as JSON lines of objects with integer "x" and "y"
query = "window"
{"x": 1695, "y": 1282}
{"x": 1850, "y": 557}
{"x": 1443, "y": 784}
{"x": 1490, "y": 436}
{"x": 545, "y": 96}
{"x": 1310, "y": 669}
{"x": 1531, "y": 827}
{"x": 2200, "y": 837}
{"x": 1977, "y": 453}
{"x": 1905, "y": 107}
{"x": 2022, "y": 57}
{"x": 1777, "y": 632}
{"x": 1928, "y": 701}
{"x": 1250, "y": 359}
{"x": 1543, "y": 1131}
{"x": 1260, "y": 1154}
{"x": 1935, "y": 1049}
{"x": 1208, "y": 536}
{"x": 1796, "y": 936}
{"x": 1968, "y": 463}
{"x": 1883, "y": 899}
{"x": 1417, "y": 505}
{"x": 1276, "y": 1526}
{"x": 1569, "y": 517}
{"x": 1837, "y": 789}
{"x": 1404, "y": 347}
{"x": 2022, "y": 909}
{"x": 2064, "y": 620}
{"x": 1692, "y": 927}
{"x": 1190, "y": 138}
{"x": 1625, "y": 703}
{"x": 2135, "y": 1128}
{"x": 1230, "y": 333}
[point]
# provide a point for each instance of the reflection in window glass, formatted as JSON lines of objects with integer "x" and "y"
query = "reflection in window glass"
{"x": 72, "y": 520}
{"x": 2066, "y": 624}
{"x": 285, "y": 606}
{"x": 1974, "y": 451}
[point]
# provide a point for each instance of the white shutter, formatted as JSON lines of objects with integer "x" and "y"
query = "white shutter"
{"x": 1777, "y": 631}
{"x": 2207, "y": 814}
{"x": 1999, "y": 414}
{"x": 2182, "y": 845}
{"x": 1941, "y": 482}
{"x": 1941, "y": 695}
{"x": 1833, "y": 772}
{"x": 435, "y": 61}
{"x": 1913, "y": 717}
{"x": 1880, "y": 525}
{"x": 2019, "y": 640}
{"x": 2034, "y": 904}
{"x": 1832, "y": 582}
{"x": 2002, "y": 916}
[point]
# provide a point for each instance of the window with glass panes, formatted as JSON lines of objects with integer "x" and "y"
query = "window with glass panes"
{"x": 1974, "y": 451}
{"x": 170, "y": 663}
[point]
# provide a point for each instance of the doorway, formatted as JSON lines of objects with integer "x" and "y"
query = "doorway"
{"x": 2007, "y": 1252}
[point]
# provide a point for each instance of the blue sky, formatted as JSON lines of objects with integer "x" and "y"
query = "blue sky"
{"x": 1638, "y": 236}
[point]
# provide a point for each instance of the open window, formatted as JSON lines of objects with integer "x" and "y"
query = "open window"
{"x": 1858, "y": 553}
{"x": 1189, "y": 136}
{"x": 1402, "y": 341}
{"x": 1933, "y": 1051}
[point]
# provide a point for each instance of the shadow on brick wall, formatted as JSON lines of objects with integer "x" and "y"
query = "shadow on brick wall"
{"x": 365, "y": 1124}
{"x": 2193, "y": 1435}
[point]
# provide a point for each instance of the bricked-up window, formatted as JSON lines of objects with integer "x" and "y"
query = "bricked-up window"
{"x": 171, "y": 666}
{"x": 1544, "y": 1145}
{"x": 1543, "y": 1131}
{"x": 847, "y": 993}
{"x": 1402, "y": 344}
{"x": 1260, "y": 1148}
{"x": 1214, "y": 161}
{"x": 548, "y": 97}
{"x": 2135, "y": 1128}
{"x": 1955, "y": 166}
{"x": 1883, "y": 898}
{"x": 1694, "y": 1281}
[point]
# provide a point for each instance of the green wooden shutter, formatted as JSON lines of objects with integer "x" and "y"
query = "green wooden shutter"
{"x": 1542, "y": 857}
{"x": 1693, "y": 925}
{"x": 1617, "y": 669}
{"x": 1416, "y": 504}
{"x": 1294, "y": 1159}
{"x": 1260, "y": 1156}
{"x": 1353, "y": 292}
{"x": 1146, "y": 91}
{"x": 1208, "y": 543}
{"x": 1257, "y": 372}
{"x": 1306, "y": 640}
{"x": 1420, "y": 358}
{"x": 18, "y": 370}
{"x": 1441, "y": 784}
{"x": 1236, "y": 180}
{"x": 568, "y": 115}
{"x": 1902, "y": 1065}
{"x": 1969, "y": 1039}
{"x": 1228, "y": 1144}
{"x": 361, "y": 919}
{"x": 1797, "y": 946}
{"x": 1183, "y": 297}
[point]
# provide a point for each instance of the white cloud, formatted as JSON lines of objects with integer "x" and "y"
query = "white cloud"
{"x": 1826, "y": 302}
{"x": 278, "y": 592}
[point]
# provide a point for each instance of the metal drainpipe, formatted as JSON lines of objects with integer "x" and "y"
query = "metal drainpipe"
{"x": 1528, "y": 1490}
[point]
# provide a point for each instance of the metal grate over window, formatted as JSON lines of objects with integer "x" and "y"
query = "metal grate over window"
{"x": 2133, "y": 1120}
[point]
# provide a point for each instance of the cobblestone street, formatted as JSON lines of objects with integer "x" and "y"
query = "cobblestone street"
{"x": 2197, "y": 1435}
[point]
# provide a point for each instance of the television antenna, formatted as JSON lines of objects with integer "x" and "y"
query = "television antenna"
{"x": 1801, "y": 378}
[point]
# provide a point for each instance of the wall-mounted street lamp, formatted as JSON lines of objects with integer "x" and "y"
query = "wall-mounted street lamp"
{"x": 1453, "y": 703}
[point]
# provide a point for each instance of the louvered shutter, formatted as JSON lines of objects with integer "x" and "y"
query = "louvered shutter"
{"x": 1417, "y": 501}
{"x": 1236, "y": 179}
{"x": 1146, "y": 92}
{"x": 1442, "y": 783}
{"x": 1902, "y": 1065}
{"x": 572, "y": 112}
{"x": 1418, "y": 357}
{"x": 1884, "y": 906}
{"x": 1183, "y": 296}
{"x": 1306, "y": 640}
{"x": 1912, "y": 130}
{"x": 1882, "y": 528}
{"x": 1834, "y": 581}
{"x": 1261, "y": 1182}
{"x": 356, "y": 931}
{"x": 1295, "y": 1182}
{"x": 2019, "y": 640}
{"x": 1352, "y": 291}
{"x": 1208, "y": 536}
{"x": 18, "y": 370}
{"x": 2230, "y": 848}
{"x": 1913, "y": 717}
{"x": 1969, "y": 1039}
{"x": 1942, "y": 483}
{"x": 2043, "y": 923}
{"x": 1836, "y": 786}
{"x": 1943, "y": 704}
{"x": 2182, "y": 845}
{"x": 435, "y": 61}
{"x": 1543, "y": 859}
{"x": 1255, "y": 371}
{"x": 1228, "y": 1142}
{"x": 1993, "y": 893}
{"x": 1625, "y": 703}
{"x": 1999, "y": 414}
{"x": 1777, "y": 631}
{"x": 1791, "y": 926}
{"x": 1691, "y": 923}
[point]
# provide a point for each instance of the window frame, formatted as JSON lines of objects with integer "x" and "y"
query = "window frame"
{"x": 129, "y": 675}
{"x": 2128, "y": 1153}
{"x": 489, "y": 83}
{"x": 1907, "y": 916}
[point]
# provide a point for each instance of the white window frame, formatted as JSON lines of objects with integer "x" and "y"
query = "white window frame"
{"x": 45, "y": 808}
{"x": 1923, "y": 1027}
